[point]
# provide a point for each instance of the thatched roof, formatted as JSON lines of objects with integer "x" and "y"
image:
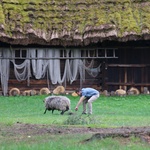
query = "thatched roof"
{"x": 73, "y": 22}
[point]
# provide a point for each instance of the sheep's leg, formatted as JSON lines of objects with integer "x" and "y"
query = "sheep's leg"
{"x": 45, "y": 111}
{"x": 52, "y": 111}
{"x": 62, "y": 112}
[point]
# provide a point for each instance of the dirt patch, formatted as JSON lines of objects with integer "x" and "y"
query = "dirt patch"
{"x": 99, "y": 133}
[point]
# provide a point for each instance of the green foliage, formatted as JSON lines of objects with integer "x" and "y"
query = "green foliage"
{"x": 2, "y": 17}
{"x": 80, "y": 120}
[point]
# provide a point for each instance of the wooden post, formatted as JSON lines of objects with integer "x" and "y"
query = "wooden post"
{"x": 104, "y": 75}
{"x": 125, "y": 78}
{"x": 120, "y": 86}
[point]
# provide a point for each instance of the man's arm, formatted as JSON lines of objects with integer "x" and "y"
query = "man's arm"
{"x": 80, "y": 101}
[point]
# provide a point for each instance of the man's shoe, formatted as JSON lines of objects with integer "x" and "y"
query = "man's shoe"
{"x": 89, "y": 113}
{"x": 84, "y": 113}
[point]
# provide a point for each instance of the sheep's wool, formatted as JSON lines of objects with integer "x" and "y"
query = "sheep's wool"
{"x": 57, "y": 103}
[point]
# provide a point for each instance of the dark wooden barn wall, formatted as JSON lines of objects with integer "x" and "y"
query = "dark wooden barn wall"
{"x": 132, "y": 69}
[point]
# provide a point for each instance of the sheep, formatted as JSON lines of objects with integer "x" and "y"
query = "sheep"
{"x": 60, "y": 103}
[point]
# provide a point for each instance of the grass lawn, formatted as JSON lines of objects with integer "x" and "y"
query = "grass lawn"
{"x": 132, "y": 111}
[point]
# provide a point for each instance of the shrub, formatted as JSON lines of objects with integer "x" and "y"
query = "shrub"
{"x": 80, "y": 120}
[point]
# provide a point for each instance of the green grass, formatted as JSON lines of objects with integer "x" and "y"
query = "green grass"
{"x": 133, "y": 111}
{"x": 70, "y": 142}
{"x": 108, "y": 111}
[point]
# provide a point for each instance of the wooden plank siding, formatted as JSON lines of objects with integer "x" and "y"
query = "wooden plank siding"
{"x": 132, "y": 69}
{"x": 38, "y": 84}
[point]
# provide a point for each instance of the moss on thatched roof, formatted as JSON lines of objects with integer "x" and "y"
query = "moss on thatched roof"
{"x": 73, "y": 22}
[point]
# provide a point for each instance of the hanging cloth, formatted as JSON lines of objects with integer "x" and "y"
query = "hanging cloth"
{"x": 4, "y": 70}
{"x": 22, "y": 71}
{"x": 39, "y": 65}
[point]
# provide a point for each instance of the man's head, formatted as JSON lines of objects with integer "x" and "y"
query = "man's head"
{"x": 78, "y": 91}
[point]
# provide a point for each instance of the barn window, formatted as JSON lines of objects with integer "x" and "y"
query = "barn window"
{"x": 20, "y": 53}
{"x": 20, "y": 56}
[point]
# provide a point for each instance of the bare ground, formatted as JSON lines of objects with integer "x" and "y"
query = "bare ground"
{"x": 98, "y": 133}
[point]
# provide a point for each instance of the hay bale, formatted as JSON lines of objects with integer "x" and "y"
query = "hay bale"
{"x": 26, "y": 93}
{"x": 44, "y": 91}
{"x": 112, "y": 93}
{"x": 120, "y": 92}
{"x": 74, "y": 94}
{"x": 29, "y": 92}
{"x": 105, "y": 93}
{"x": 59, "y": 90}
{"x": 133, "y": 91}
{"x": 14, "y": 92}
{"x": 33, "y": 92}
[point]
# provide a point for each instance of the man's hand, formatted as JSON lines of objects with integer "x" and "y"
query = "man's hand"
{"x": 76, "y": 108}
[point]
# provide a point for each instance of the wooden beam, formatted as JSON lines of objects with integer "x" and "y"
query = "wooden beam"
{"x": 129, "y": 84}
{"x": 45, "y": 58}
{"x": 128, "y": 65}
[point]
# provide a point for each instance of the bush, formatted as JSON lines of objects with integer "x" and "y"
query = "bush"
{"x": 80, "y": 120}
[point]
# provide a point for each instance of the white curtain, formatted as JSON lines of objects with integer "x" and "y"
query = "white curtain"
{"x": 54, "y": 66}
{"x": 4, "y": 69}
{"x": 89, "y": 68}
{"x": 39, "y": 65}
{"x": 22, "y": 71}
{"x": 35, "y": 62}
{"x": 73, "y": 64}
